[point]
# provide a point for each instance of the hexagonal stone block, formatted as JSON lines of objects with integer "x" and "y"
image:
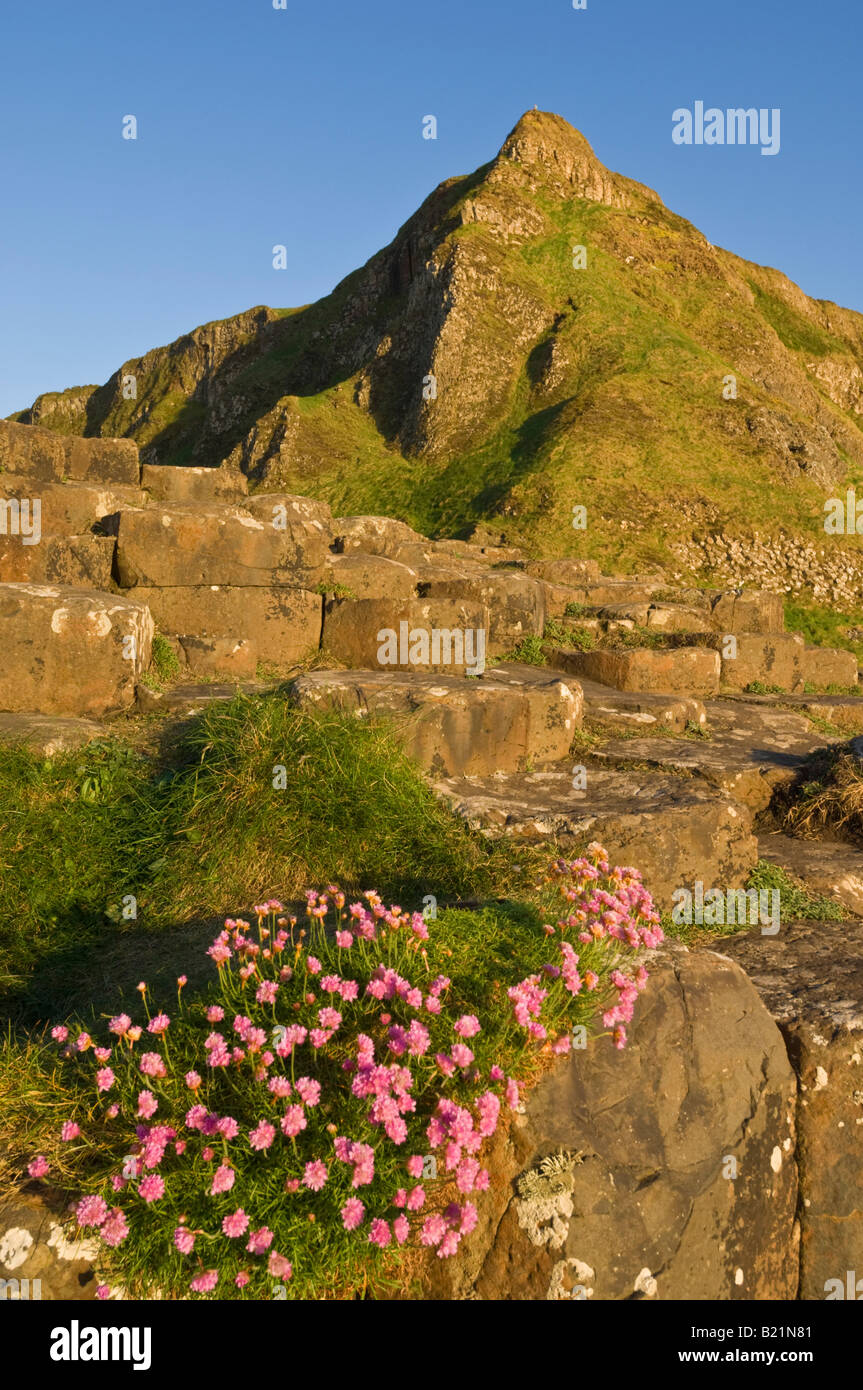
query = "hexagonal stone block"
{"x": 454, "y": 726}
{"x": 70, "y": 651}
{"x": 184, "y": 546}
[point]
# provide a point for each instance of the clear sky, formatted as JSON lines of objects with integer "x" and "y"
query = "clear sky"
{"x": 303, "y": 127}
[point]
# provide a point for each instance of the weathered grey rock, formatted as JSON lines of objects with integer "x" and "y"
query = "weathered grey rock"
{"x": 370, "y": 576}
{"x": 48, "y": 734}
{"x": 634, "y": 710}
{"x": 283, "y": 624}
{"x": 560, "y": 597}
{"x": 356, "y": 632}
{"x": 810, "y": 977}
{"x": 674, "y": 829}
{"x": 515, "y": 601}
{"x": 71, "y": 509}
{"x": 84, "y": 561}
{"x": 686, "y": 1185}
{"x": 38, "y": 1260}
{"x": 376, "y": 535}
{"x": 70, "y": 651}
{"x": 605, "y": 590}
{"x": 679, "y": 670}
{"x": 273, "y": 507}
{"x": 167, "y": 484}
{"x": 184, "y": 546}
{"x": 481, "y": 554}
{"x": 750, "y": 752}
{"x": 453, "y": 726}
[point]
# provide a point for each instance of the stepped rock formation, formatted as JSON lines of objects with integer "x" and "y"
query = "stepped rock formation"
{"x": 548, "y": 701}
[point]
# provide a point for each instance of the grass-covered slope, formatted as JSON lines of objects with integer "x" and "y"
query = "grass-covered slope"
{"x": 555, "y": 385}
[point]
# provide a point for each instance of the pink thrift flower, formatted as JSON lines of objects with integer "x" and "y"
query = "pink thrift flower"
{"x": 401, "y": 1229}
{"x": 223, "y": 1180}
{"x": 147, "y": 1104}
{"x": 278, "y": 1266}
{"x": 206, "y": 1282}
{"x": 114, "y": 1229}
{"x": 103, "y": 1291}
{"x": 158, "y": 1024}
{"x": 352, "y": 1213}
{"x": 467, "y": 1026}
{"x": 310, "y": 1091}
{"x": 433, "y": 1231}
{"x": 151, "y": 1064}
{"x": 415, "y": 1165}
{"x": 235, "y": 1224}
{"x": 315, "y": 1175}
{"x": 293, "y": 1121}
{"x": 215, "y": 1014}
{"x": 70, "y": 1130}
{"x": 104, "y": 1079}
{"x": 184, "y": 1240}
{"x": 152, "y": 1187}
{"x": 39, "y": 1166}
{"x": 461, "y": 1055}
{"x": 262, "y": 1136}
{"x": 260, "y": 1241}
{"x": 242, "y": 1279}
{"x": 416, "y": 1198}
{"x": 380, "y": 1233}
{"x": 448, "y": 1245}
{"x": 91, "y": 1211}
{"x": 193, "y": 1080}
{"x": 60, "y": 1033}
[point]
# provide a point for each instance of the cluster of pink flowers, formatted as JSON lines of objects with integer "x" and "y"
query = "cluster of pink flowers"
{"x": 391, "y": 1076}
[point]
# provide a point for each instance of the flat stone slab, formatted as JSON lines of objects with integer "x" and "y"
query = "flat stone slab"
{"x": 49, "y": 734}
{"x": 845, "y": 711}
{"x": 640, "y": 710}
{"x": 810, "y": 976}
{"x": 509, "y": 718}
{"x": 753, "y": 750}
{"x": 830, "y": 868}
{"x": 673, "y": 829}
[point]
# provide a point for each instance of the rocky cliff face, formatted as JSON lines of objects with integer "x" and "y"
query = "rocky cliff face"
{"x": 470, "y": 373}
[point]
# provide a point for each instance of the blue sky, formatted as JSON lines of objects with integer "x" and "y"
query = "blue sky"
{"x": 302, "y": 126}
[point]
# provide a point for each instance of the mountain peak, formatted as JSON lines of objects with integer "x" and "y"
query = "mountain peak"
{"x": 551, "y": 152}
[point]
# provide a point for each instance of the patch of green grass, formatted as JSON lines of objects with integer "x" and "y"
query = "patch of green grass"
{"x": 759, "y": 688}
{"x": 164, "y": 663}
{"x": 334, "y": 590}
{"x": 214, "y": 832}
{"x": 796, "y": 902}
{"x": 823, "y": 626}
{"x": 529, "y": 651}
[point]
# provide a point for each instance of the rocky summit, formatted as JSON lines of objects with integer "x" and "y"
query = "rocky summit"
{"x": 367, "y": 510}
